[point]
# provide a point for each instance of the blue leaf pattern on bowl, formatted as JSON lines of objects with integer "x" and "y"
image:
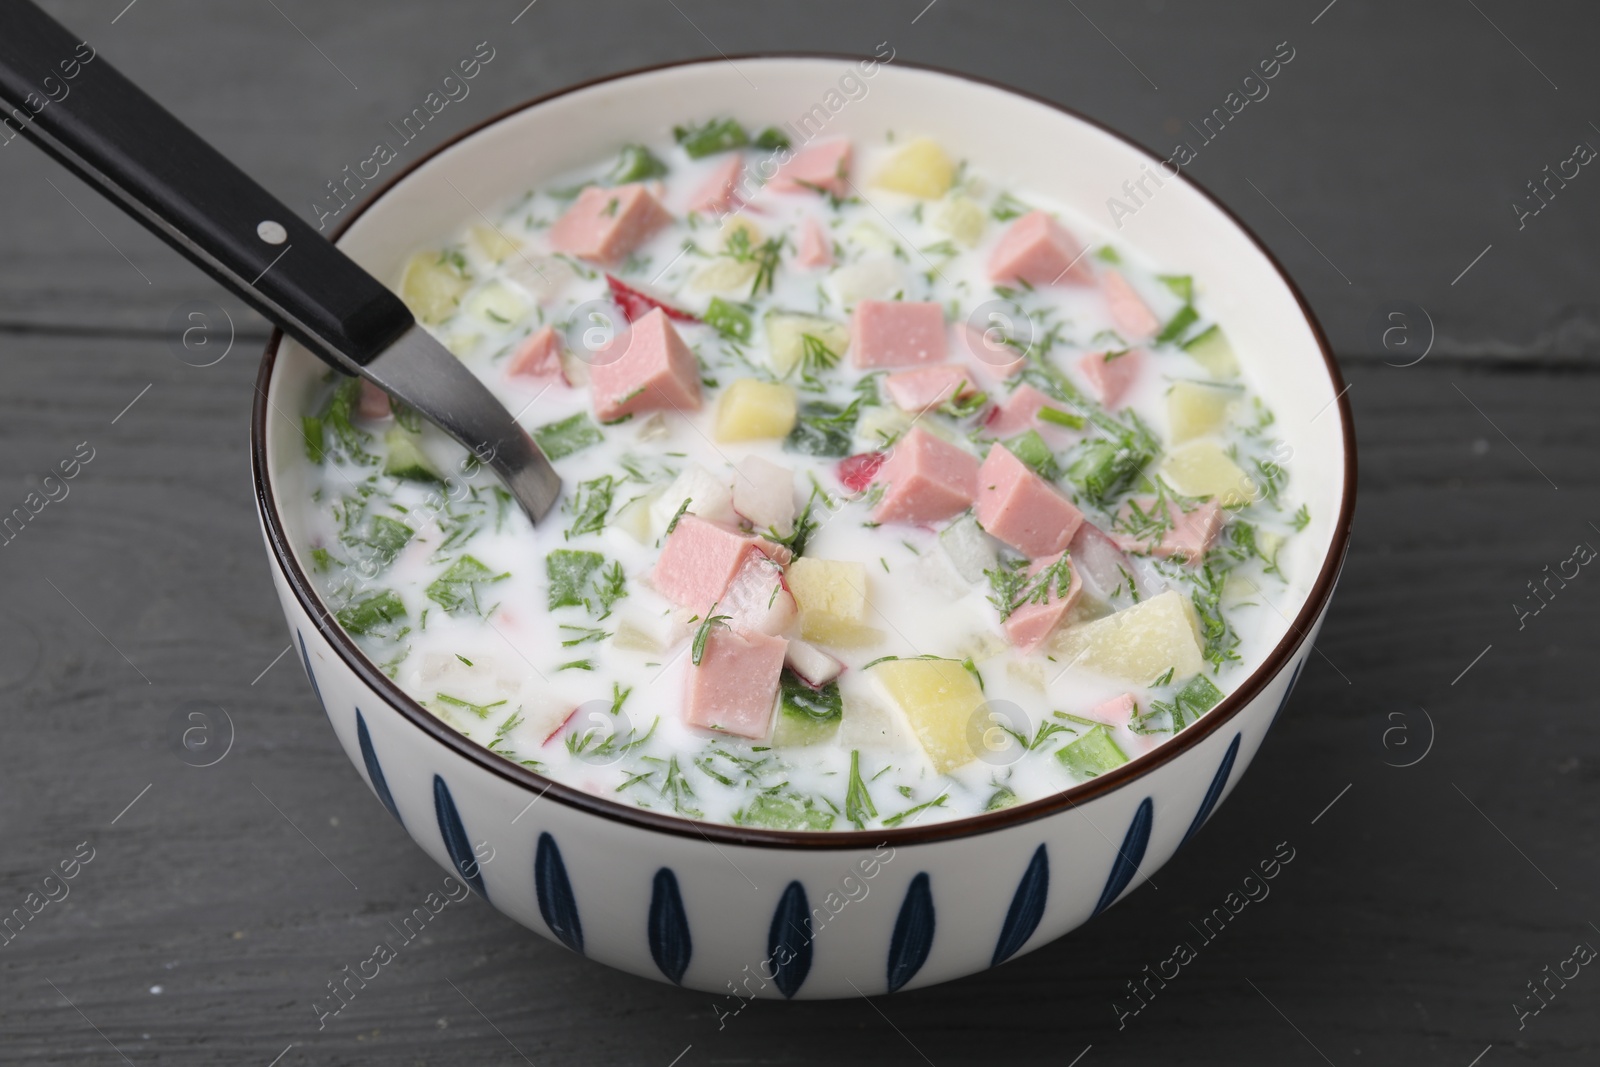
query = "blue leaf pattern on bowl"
{"x": 1219, "y": 782}
{"x": 668, "y": 932}
{"x": 311, "y": 676}
{"x": 556, "y": 902}
{"x": 455, "y": 837}
{"x": 912, "y": 939}
{"x": 789, "y": 940}
{"x": 1027, "y": 908}
{"x": 369, "y": 756}
{"x": 1129, "y": 856}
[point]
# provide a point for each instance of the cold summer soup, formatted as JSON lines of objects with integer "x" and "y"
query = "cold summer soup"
{"x": 893, "y": 492}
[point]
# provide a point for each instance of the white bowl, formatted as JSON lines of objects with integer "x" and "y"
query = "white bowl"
{"x": 751, "y": 912}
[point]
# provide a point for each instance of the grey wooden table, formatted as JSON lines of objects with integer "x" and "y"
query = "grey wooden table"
{"x": 1386, "y": 165}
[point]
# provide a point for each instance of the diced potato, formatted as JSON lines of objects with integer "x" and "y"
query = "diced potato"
{"x": 919, "y": 169}
{"x": 939, "y": 697}
{"x": 1137, "y": 644}
{"x": 462, "y": 342}
{"x": 1203, "y": 468}
{"x": 498, "y": 304}
{"x": 633, "y": 518}
{"x": 725, "y": 275}
{"x": 544, "y": 277}
{"x": 981, "y": 645}
{"x": 875, "y": 277}
{"x": 432, "y": 285}
{"x": 1213, "y": 352}
{"x": 1194, "y": 410}
{"x": 878, "y": 426}
{"x": 786, "y": 334}
{"x": 750, "y": 410}
{"x": 740, "y": 223}
{"x": 962, "y": 218}
{"x": 870, "y": 236}
{"x": 832, "y": 597}
{"x": 1027, "y": 672}
{"x": 493, "y": 243}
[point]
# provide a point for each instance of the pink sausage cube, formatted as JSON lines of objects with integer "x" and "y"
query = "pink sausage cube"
{"x": 897, "y": 333}
{"x": 537, "y": 357}
{"x": 1038, "y": 250}
{"x": 606, "y": 224}
{"x": 925, "y": 480}
{"x": 928, "y": 387}
{"x": 1020, "y": 413}
{"x": 1131, "y": 314}
{"x": 1030, "y": 625}
{"x": 1021, "y": 508}
{"x": 990, "y": 353}
{"x": 655, "y": 371}
{"x": 1112, "y": 374}
{"x": 1116, "y": 710}
{"x": 698, "y": 561}
{"x": 719, "y": 193}
{"x": 372, "y": 402}
{"x": 735, "y": 686}
{"x": 823, "y": 167}
{"x": 815, "y": 248}
{"x": 1192, "y": 532}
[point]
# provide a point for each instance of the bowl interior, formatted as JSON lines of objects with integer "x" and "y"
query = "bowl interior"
{"x": 1034, "y": 145}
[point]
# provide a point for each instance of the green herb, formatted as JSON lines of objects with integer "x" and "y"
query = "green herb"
{"x": 480, "y": 710}
{"x": 585, "y": 635}
{"x": 576, "y": 665}
{"x": 1007, "y": 207}
{"x": 1005, "y": 586}
{"x": 619, "y": 696}
{"x": 821, "y": 706}
{"x": 1182, "y": 285}
{"x": 569, "y": 571}
{"x": 716, "y": 135}
{"x": 311, "y": 434}
{"x": 1107, "y": 254}
{"x": 331, "y": 431}
{"x": 1104, "y": 468}
{"x": 1272, "y": 478}
{"x": 457, "y": 588}
{"x": 677, "y": 789}
{"x": 771, "y": 139}
{"x": 463, "y": 659}
{"x": 936, "y": 802}
{"x": 730, "y": 320}
{"x": 590, "y": 504}
{"x": 635, "y": 164}
{"x": 783, "y": 811}
{"x": 1057, "y": 575}
{"x": 1061, "y": 418}
{"x": 375, "y": 616}
{"x": 610, "y": 587}
{"x": 815, "y": 355}
{"x": 676, "y": 515}
{"x": 805, "y": 524}
{"x": 765, "y": 256}
{"x": 1031, "y": 449}
{"x": 321, "y": 559}
{"x": 569, "y": 435}
{"x": 858, "y": 805}
{"x": 1178, "y": 325}
{"x": 1165, "y": 679}
{"x": 823, "y": 428}
{"x": 697, "y": 648}
{"x": 405, "y": 416}
{"x": 1302, "y": 518}
{"x": 386, "y": 537}
{"x": 1219, "y": 639}
{"x": 965, "y": 406}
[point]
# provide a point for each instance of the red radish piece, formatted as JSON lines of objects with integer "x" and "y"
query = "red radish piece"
{"x": 636, "y": 305}
{"x": 811, "y": 665}
{"x": 856, "y": 472}
{"x": 562, "y": 725}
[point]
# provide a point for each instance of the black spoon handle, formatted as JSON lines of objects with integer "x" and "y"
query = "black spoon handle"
{"x": 106, "y": 130}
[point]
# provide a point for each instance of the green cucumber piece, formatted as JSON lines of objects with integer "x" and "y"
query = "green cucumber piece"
{"x": 1092, "y": 754}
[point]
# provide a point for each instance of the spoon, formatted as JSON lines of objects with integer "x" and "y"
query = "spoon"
{"x": 110, "y": 133}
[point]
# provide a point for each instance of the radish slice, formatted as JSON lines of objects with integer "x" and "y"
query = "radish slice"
{"x": 814, "y": 667}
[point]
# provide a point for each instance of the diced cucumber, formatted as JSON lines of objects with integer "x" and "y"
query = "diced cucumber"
{"x": 776, "y": 811}
{"x": 1210, "y": 349}
{"x": 806, "y": 715}
{"x": 1032, "y": 450}
{"x": 1092, "y": 754}
{"x": 406, "y": 458}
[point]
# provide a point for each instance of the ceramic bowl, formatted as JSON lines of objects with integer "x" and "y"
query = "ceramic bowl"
{"x": 767, "y": 913}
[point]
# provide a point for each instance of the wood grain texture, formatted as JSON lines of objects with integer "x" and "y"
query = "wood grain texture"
{"x": 1416, "y": 907}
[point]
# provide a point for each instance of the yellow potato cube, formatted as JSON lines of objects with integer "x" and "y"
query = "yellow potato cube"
{"x": 919, "y": 169}
{"x": 1136, "y": 644}
{"x": 1194, "y": 410}
{"x": 1203, "y": 468}
{"x": 962, "y": 218}
{"x": 633, "y": 518}
{"x": 725, "y": 275}
{"x": 944, "y": 704}
{"x": 432, "y": 285}
{"x": 493, "y": 243}
{"x": 750, "y": 410}
{"x": 832, "y": 597}
{"x": 786, "y": 338}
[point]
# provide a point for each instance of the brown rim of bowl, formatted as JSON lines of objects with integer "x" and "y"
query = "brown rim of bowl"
{"x": 721, "y": 833}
